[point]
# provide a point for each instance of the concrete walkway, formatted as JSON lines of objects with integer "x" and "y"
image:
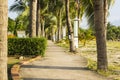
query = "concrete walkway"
{"x": 58, "y": 65}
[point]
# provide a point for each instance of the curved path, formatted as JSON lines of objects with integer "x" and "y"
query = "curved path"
{"x": 58, "y": 65}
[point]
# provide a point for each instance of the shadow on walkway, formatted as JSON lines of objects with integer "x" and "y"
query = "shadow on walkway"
{"x": 43, "y": 79}
{"x": 55, "y": 67}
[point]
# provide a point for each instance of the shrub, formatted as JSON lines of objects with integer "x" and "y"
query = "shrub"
{"x": 27, "y": 46}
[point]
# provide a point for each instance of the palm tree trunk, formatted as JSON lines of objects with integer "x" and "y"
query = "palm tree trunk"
{"x": 43, "y": 28}
{"x": 33, "y": 11}
{"x": 78, "y": 13}
{"x": 102, "y": 63}
{"x": 3, "y": 38}
{"x": 105, "y": 15}
{"x": 59, "y": 25}
{"x": 69, "y": 26}
{"x": 15, "y": 28}
{"x": 38, "y": 27}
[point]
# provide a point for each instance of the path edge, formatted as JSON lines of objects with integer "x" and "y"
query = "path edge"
{"x": 16, "y": 68}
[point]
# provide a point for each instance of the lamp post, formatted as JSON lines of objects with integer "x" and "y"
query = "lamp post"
{"x": 64, "y": 32}
{"x": 76, "y": 32}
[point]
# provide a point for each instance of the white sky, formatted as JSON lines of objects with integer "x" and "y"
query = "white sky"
{"x": 11, "y": 14}
{"x": 114, "y": 16}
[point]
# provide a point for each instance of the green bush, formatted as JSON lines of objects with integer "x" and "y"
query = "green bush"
{"x": 27, "y": 46}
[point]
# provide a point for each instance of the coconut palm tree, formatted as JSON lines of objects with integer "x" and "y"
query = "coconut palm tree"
{"x": 90, "y": 13}
{"x": 33, "y": 13}
{"x": 3, "y": 38}
{"x": 51, "y": 27}
{"x": 42, "y": 6}
{"x": 38, "y": 25}
{"x": 69, "y": 26}
{"x": 21, "y": 6}
{"x": 57, "y": 8}
{"x": 102, "y": 63}
{"x": 107, "y": 4}
{"x": 43, "y": 13}
{"x": 89, "y": 10}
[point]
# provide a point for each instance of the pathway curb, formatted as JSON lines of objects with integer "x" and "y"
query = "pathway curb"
{"x": 15, "y": 68}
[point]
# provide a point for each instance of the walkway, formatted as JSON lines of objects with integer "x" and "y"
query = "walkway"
{"x": 58, "y": 65}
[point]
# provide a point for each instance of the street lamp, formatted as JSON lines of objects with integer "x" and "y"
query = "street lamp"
{"x": 76, "y": 32}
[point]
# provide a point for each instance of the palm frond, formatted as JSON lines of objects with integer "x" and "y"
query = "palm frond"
{"x": 110, "y": 3}
{"x": 18, "y": 6}
{"x": 89, "y": 11}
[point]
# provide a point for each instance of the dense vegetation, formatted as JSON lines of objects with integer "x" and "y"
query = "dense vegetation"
{"x": 113, "y": 32}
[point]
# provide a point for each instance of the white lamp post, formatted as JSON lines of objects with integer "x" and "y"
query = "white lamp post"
{"x": 64, "y": 32}
{"x": 76, "y": 32}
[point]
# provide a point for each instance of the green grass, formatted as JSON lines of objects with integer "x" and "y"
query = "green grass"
{"x": 12, "y": 61}
{"x": 91, "y": 64}
{"x": 63, "y": 43}
{"x": 114, "y": 44}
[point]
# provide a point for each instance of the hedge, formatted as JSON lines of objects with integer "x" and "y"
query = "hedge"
{"x": 27, "y": 46}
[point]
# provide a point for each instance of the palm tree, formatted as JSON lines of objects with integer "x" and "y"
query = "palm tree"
{"x": 3, "y": 38}
{"x": 107, "y": 4}
{"x": 89, "y": 10}
{"x": 57, "y": 8}
{"x": 51, "y": 27}
{"x": 21, "y": 6}
{"x": 78, "y": 7}
{"x": 105, "y": 14}
{"x": 43, "y": 8}
{"x": 102, "y": 63}
{"x": 69, "y": 26}
{"x": 78, "y": 3}
{"x": 59, "y": 11}
{"x": 38, "y": 25}
{"x": 33, "y": 12}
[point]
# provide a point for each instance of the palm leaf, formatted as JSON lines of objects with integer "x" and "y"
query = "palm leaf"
{"x": 19, "y": 6}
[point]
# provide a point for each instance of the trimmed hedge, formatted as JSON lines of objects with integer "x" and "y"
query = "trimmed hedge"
{"x": 27, "y": 46}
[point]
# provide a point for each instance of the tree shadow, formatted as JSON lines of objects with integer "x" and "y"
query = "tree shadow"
{"x": 55, "y": 67}
{"x": 43, "y": 79}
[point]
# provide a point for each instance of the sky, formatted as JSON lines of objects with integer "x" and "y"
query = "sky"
{"x": 11, "y": 14}
{"x": 114, "y": 14}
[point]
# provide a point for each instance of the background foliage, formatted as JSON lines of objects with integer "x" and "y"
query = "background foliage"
{"x": 113, "y": 32}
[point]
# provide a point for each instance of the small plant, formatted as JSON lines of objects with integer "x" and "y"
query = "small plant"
{"x": 63, "y": 43}
{"x": 92, "y": 64}
{"x": 104, "y": 73}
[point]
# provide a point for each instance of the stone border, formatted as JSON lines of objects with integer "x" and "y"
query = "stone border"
{"x": 15, "y": 68}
